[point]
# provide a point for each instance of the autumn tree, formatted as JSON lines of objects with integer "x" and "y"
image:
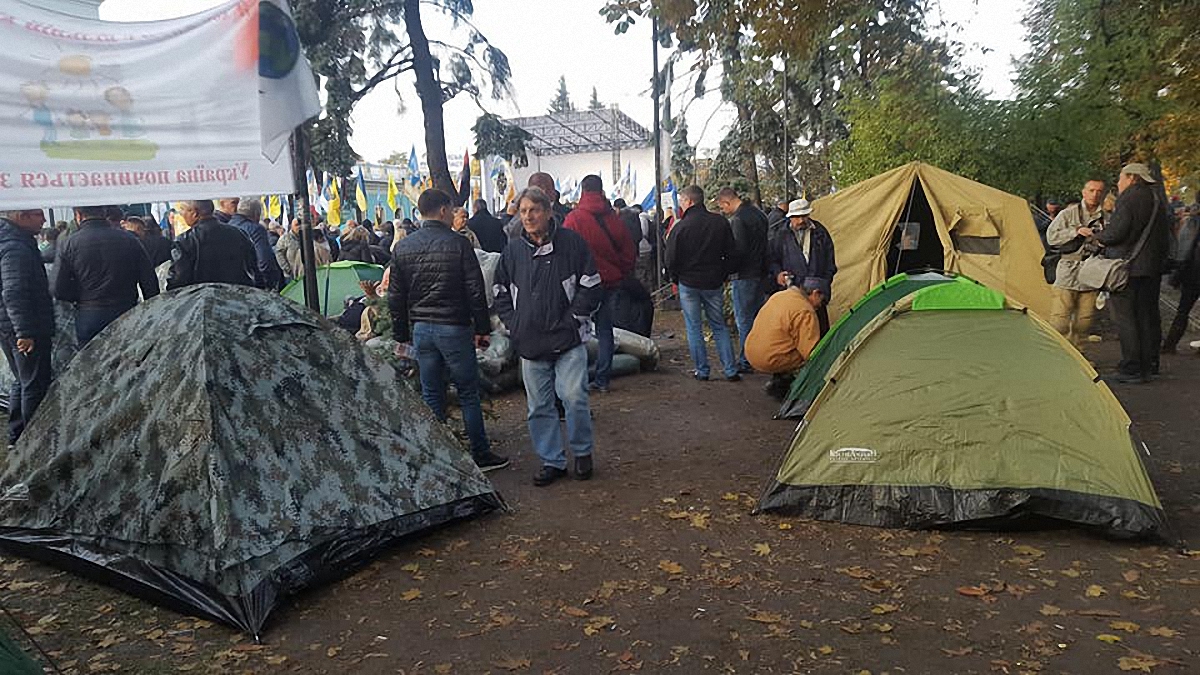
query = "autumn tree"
{"x": 359, "y": 45}
{"x": 595, "y": 103}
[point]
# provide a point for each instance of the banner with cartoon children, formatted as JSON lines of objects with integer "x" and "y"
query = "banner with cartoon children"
{"x": 96, "y": 112}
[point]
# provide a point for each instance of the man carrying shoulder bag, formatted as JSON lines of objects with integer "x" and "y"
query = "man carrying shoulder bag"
{"x": 1136, "y": 245}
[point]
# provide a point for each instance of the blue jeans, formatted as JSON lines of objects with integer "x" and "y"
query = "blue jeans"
{"x": 604, "y": 338}
{"x": 89, "y": 321}
{"x": 451, "y": 348}
{"x": 566, "y": 376}
{"x": 699, "y": 305}
{"x": 747, "y": 300}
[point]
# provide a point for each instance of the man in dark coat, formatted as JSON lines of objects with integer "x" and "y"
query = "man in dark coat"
{"x": 803, "y": 249}
{"x": 596, "y": 221}
{"x": 157, "y": 248}
{"x": 210, "y": 251}
{"x": 436, "y": 284}
{"x": 749, "y": 227}
{"x": 101, "y": 268}
{"x": 487, "y": 228}
{"x": 1135, "y": 309}
{"x": 1186, "y": 278}
{"x": 249, "y": 212}
{"x": 26, "y": 316}
{"x": 547, "y": 289}
{"x": 700, "y": 254}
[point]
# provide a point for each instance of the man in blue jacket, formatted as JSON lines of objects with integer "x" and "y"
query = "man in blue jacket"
{"x": 246, "y": 219}
{"x": 547, "y": 289}
{"x": 26, "y": 316}
{"x": 803, "y": 249}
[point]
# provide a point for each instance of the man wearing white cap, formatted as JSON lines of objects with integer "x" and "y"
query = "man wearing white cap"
{"x": 1135, "y": 308}
{"x": 804, "y": 249}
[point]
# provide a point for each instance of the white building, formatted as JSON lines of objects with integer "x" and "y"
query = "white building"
{"x": 605, "y": 142}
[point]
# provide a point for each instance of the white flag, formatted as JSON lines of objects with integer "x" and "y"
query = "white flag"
{"x": 287, "y": 89}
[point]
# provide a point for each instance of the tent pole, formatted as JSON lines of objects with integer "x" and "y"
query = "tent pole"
{"x": 307, "y": 253}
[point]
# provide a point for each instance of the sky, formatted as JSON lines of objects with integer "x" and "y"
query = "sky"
{"x": 543, "y": 44}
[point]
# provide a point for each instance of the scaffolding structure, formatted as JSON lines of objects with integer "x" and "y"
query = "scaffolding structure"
{"x": 583, "y": 131}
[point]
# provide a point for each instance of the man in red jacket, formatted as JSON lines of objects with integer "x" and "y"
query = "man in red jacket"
{"x": 598, "y": 223}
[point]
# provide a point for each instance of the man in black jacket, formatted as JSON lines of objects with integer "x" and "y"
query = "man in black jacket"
{"x": 1135, "y": 309}
{"x": 100, "y": 268}
{"x": 436, "y": 284}
{"x": 749, "y": 227}
{"x": 26, "y": 316}
{"x": 157, "y": 247}
{"x": 700, "y": 255}
{"x": 547, "y": 289}
{"x": 210, "y": 251}
{"x": 487, "y": 228}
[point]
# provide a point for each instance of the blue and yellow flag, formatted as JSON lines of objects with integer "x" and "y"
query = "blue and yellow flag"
{"x": 360, "y": 192}
{"x": 334, "y": 214}
{"x": 391, "y": 196}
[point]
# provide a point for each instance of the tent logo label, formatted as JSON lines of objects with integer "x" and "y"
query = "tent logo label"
{"x": 853, "y": 456}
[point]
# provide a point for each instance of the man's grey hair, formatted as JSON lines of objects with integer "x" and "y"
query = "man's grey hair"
{"x": 250, "y": 208}
{"x": 535, "y": 195}
{"x": 202, "y": 207}
{"x": 13, "y": 215}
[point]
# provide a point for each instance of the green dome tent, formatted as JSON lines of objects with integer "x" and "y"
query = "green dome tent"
{"x": 218, "y": 448}
{"x": 953, "y": 406}
{"x": 335, "y": 282}
{"x": 811, "y": 377}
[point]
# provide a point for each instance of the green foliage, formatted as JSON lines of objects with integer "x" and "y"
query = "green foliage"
{"x": 358, "y": 45}
{"x": 494, "y": 137}
{"x": 683, "y": 155}
{"x": 595, "y": 103}
{"x": 562, "y": 100}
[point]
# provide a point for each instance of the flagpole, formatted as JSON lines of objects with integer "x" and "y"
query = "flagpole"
{"x": 307, "y": 252}
{"x": 658, "y": 211}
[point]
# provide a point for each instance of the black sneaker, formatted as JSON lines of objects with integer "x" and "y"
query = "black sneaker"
{"x": 583, "y": 467}
{"x": 733, "y": 378}
{"x": 698, "y": 376}
{"x": 1125, "y": 378}
{"x": 490, "y": 461}
{"x": 548, "y": 475}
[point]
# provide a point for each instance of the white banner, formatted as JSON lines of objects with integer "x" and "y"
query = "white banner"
{"x": 96, "y": 112}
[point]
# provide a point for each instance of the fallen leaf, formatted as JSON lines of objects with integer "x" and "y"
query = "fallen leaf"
{"x": 1140, "y": 663}
{"x": 443, "y": 668}
{"x": 1134, "y": 595}
{"x": 658, "y": 590}
{"x": 512, "y": 663}
{"x": 1127, "y": 626}
{"x": 677, "y": 515}
{"x": 972, "y": 591}
{"x": 596, "y": 624}
{"x": 1110, "y": 639}
{"x": 333, "y": 651}
{"x": 762, "y": 549}
{"x": 1163, "y": 631}
{"x": 1029, "y": 551}
{"x": 785, "y": 526}
{"x": 1097, "y": 612}
{"x": 882, "y": 627}
{"x": 566, "y": 567}
{"x": 1095, "y": 591}
{"x": 671, "y": 500}
{"x": 1050, "y": 610}
{"x": 908, "y": 552}
{"x": 699, "y": 520}
{"x": 1131, "y": 575}
{"x": 855, "y": 572}
{"x": 765, "y": 617}
{"x": 1072, "y": 572}
{"x": 276, "y": 660}
{"x": 884, "y": 608}
{"x": 825, "y": 650}
{"x": 410, "y": 595}
{"x": 670, "y": 567}
{"x": 963, "y": 651}
{"x": 575, "y": 612}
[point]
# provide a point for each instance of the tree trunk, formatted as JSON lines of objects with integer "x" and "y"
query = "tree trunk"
{"x": 750, "y": 152}
{"x": 430, "y": 92}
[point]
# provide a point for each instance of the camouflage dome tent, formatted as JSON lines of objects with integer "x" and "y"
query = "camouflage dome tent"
{"x": 218, "y": 448}
{"x": 953, "y": 406}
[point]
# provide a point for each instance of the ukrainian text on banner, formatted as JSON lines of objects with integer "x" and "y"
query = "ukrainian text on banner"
{"x": 95, "y": 112}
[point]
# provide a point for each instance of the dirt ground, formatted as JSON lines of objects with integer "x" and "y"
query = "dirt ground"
{"x": 656, "y": 565}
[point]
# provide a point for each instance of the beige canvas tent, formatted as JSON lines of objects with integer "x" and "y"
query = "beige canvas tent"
{"x": 953, "y": 223}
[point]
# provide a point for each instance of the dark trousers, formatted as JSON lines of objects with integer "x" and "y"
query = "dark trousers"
{"x": 1135, "y": 311}
{"x": 1188, "y": 294}
{"x": 31, "y": 374}
{"x": 89, "y": 321}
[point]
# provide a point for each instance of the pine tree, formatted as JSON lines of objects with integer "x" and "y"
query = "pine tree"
{"x": 562, "y": 100}
{"x": 595, "y": 104}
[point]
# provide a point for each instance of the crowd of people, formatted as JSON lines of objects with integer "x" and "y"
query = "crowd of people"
{"x": 559, "y": 278}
